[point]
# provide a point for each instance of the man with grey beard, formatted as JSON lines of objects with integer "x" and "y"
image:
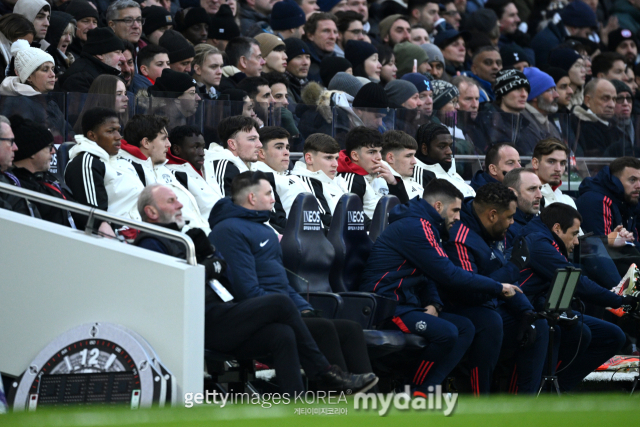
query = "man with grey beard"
{"x": 541, "y": 103}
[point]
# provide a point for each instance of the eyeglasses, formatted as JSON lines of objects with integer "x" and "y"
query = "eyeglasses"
{"x": 129, "y": 21}
{"x": 623, "y": 99}
{"x": 11, "y": 140}
{"x": 358, "y": 32}
{"x": 450, "y": 13}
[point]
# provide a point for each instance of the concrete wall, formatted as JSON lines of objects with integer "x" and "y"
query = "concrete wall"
{"x": 53, "y": 279}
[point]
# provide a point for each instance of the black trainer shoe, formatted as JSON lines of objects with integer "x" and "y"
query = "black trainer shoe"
{"x": 334, "y": 378}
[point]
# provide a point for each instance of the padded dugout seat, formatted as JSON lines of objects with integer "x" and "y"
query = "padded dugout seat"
{"x": 381, "y": 215}
{"x": 62, "y": 156}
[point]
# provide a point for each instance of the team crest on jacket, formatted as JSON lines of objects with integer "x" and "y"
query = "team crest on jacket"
{"x": 421, "y": 326}
{"x": 167, "y": 178}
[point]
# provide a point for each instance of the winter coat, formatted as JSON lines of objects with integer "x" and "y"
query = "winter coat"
{"x": 102, "y": 181}
{"x": 494, "y": 125}
{"x": 252, "y": 251}
{"x": 603, "y": 206}
{"x": 408, "y": 258}
{"x": 536, "y": 131}
{"x": 81, "y": 74}
{"x": 594, "y": 137}
{"x": 423, "y": 173}
{"x": 520, "y": 220}
{"x": 287, "y": 185}
{"x": 547, "y": 254}
{"x": 546, "y": 40}
{"x": 481, "y": 178}
{"x": 316, "y": 58}
{"x": 15, "y": 203}
{"x": 250, "y": 17}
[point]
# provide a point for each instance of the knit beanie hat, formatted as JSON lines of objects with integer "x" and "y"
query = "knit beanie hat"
{"x": 386, "y": 23}
{"x": 155, "y": 17}
{"x": 186, "y": 4}
{"x": 446, "y": 37}
{"x": 539, "y": 81}
{"x": 58, "y": 23}
{"x": 295, "y": 47}
{"x": 235, "y": 95}
{"x": 555, "y": 73}
{"x": 327, "y": 5}
{"x": 268, "y": 42}
{"x": 620, "y": 87}
{"x": 398, "y": 91}
{"x": 371, "y": 95}
{"x": 30, "y": 8}
{"x": 482, "y": 20}
{"x": 443, "y": 92}
{"x": 28, "y": 59}
{"x": 195, "y": 15}
{"x": 506, "y": 81}
{"x": 618, "y": 36}
{"x": 30, "y": 136}
{"x": 420, "y": 81}
{"x": 172, "y": 84}
{"x": 346, "y": 83}
{"x": 330, "y": 66}
{"x": 356, "y": 52}
{"x": 101, "y": 41}
{"x": 405, "y": 53}
{"x": 222, "y": 25}
{"x": 80, "y": 9}
{"x": 563, "y": 58}
{"x": 286, "y": 15}
{"x": 511, "y": 54}
{"x": 433, "y": 52}
{"x": 578, "y": 14}
{"x": 179, "y": 48}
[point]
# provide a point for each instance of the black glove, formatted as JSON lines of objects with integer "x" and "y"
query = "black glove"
{"x": 214, "y": 268}
{"x": 204, "y": 248}
{"x": 526, "y": 335}
{"x": 630, "y": 302}
{"x": 520, "y": 253}
{"x": 311, "y": 313}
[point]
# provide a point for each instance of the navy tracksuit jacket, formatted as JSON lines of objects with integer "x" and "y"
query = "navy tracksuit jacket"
{"x": 600, "y": 340}
{"x": 481, "y": 178}
{"x": 472, "y": 248}
{"x": 603, "y": 207}
{"x": 520, "y": 219}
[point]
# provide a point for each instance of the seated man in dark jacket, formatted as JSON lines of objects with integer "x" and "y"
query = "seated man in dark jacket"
{"x": 253, "y": 251}
{"x": 101, "y": 54}
{"x": 528, "y": 188}
{"x": 551, "y": 237}
{"x": 268, "y": 324}
{"x": 476, "y": 245}
{"x": 405, "y": 262}
{"x": 500, "y": 159}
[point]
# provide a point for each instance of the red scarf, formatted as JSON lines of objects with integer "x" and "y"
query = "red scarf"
{"x": 175, "y": 160}
{"x": 132, "y": 149}
{"x": 345, "y": 165}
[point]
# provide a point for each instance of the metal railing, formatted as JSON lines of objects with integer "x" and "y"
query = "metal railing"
{"x": 94, "y": 214}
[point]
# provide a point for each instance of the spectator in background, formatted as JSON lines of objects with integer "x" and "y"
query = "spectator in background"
{"x": 297, "y": 68}
{"x": 332, "y": 6}
{"x": 577, "y": 20}
{"x": 39, "y": 13}
{"x": 320, "y": 37}
{"x": 419, "y": 35}
{"x": 211, "y": 6}
{"x": 346, "y": 83}
{"x": 181, "y": 52}
{"x": 436, "y": 60}
{"x": 222, "y": 28}
{"x": 152, "y": 59}
{"x": 279, "y": 91}
{"x": 108, "y": 92}
{"x": 173, "y": 96}
{"x": 371, "y": 105}
{"x": 509, "y": 21}
{"x": 127, "y": 66}
{"x": 387, "y": 59}
{"x": 207, "y": 70}
{"x": 273, "y": 52}
{"x": 424, "y": 13}
{"x": 403, "y": 94}
{"x": 350, "y": 27}
{"x": 361, "y": 7}
{"x": 407, "y": 54}
{"x": 500, "y": 159}
{"x": 452, "y": 44}
{"x": 60, "y": 36}
{"x": 308, "y": 6}
{"x": 468, "y": 107}
{"x": 623, "y": 41}
{"x": 450, "y": 14}
{"x": 575, "y": 66}
{"x": 423, "y": 85}
{"x": 485, "y": 65}
{"x": 484, "y": 21}
{"x": 333, "y": 65}
{"x": 245, "y": 60}
{"x": 609, "y": 65}
{"x": 86, "y": 17}
{"x": 363, "y": 57}
{"x": 195, "y": 25}
{"x": 563, "y": 87}
{"x": 622, "y": 117}
{"x": 394, "y": 29}
{"x": 513, "y": 56}
{"x": 157, "y": 21}
{"x": 124, "y": 17}
{"x": 288, "y": 19}
{"x": 627, "y": 14}
{"x": 445, "y": 106}
{"x": 259, "y": 91}
{"x": 12, "y": 28}
{"x": 254, "y": 12}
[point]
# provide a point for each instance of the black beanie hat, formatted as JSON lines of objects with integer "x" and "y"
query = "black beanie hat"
{"x": 295, "y": 47}
{"x": 357, "y": 51}
{"x": 155, "y": 17}
{"x": 371, "y": 95}
{"x": 508, "y": 80}
{"x": 196, "y": 15}
{"x": 287, "y": 15}
{"x": 618, "y": 36}
{"x": 222, "y": 25}
{"x": 81, "y": 9}
{"x": 179, "y": 48}
{"x": 511, "y": 54}
{"x": 555, "y": 73}
{"x": 31, "y": 137}
{"x": 101, "y": 41}
{"x": 620, "y": 87}
{"x": 58, "y": 23}
{"x": 172, "y": 84}
{"x": 332, "y": 65}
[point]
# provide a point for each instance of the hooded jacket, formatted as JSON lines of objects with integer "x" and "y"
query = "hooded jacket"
{"x": 30, "y": 8}
{"x": 102, "y": 181}
{"x": 328, "y": 191}
{"x": 408, "y": 258}
{"x": 603, "y": 206}
{"x": 481, "y": 178}
{"x": 548, "y": 253}
{"x": 547, "y": 39}
{"x": 406, "y": 188}
{"x": 206, "y": 195}
{"x": 596, "y": 137}
{"x": 160, "y": 174}
{"x": 423, "y": 173}
{"x": 520, "y": 219}
{"x": 354, "y": 177}
{"x": 252, "y": 251}
{"x": 287, "y": 185}
{"x": 81, "y": 74}
{"x": 221, "y": 166}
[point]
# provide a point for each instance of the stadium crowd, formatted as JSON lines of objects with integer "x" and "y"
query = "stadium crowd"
{"x": 379, "y": 97}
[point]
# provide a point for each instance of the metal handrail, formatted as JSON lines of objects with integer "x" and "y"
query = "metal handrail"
{"x": 93, "y": 213}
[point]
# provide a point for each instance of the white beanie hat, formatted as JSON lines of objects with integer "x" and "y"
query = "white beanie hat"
{"x": 28, "y": 59}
